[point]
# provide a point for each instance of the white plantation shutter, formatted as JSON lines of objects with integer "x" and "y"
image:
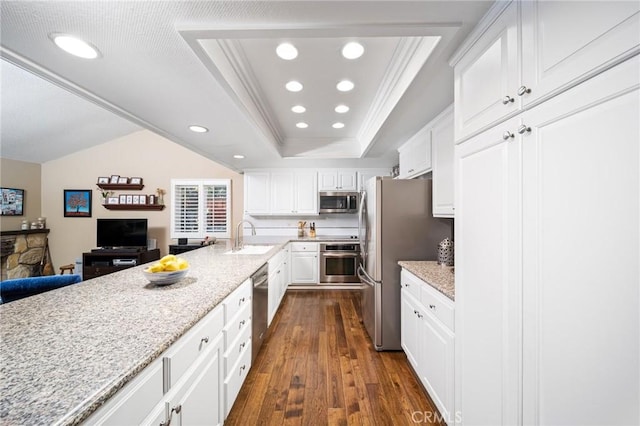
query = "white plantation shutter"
{"x": 200, "y": 208}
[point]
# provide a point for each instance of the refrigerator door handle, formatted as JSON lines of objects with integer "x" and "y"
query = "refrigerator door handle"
{"x": 366, "y": 278}
{"x": 362, "y": 226}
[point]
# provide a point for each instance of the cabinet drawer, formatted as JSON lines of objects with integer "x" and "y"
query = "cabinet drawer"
{"x": 237, "y": 325}
{"x": 186, "y": 350}
{"x": 235, "y": 349}
{"x": 234, "y": 380}
{"x": 304, "y": 247}
{"x": 439, "y": 305}
{"x": 237, "y": 300}
{"x": 411, "y": 283}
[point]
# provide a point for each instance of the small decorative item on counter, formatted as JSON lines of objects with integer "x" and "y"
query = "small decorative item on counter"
{"x": 312, "y": 230}
{"x": 34, "y": 225}
{"x": 42, "y": 222}
{"x": 445, "y": 252}
{"x": 301, "y": 225}
{"x": 25, "y": 224}
{"x": 160, "y": 193}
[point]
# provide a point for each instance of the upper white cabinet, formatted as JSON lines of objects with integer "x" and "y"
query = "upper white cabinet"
{"x": 548, "y": 259}
{"x": 337, "y": 180}
{"x": 443, "y": 165}
{"x": 415, "y": 154}
{"x": 256, "y": 193}
{"x": 498, "y": 73}
{"x": 365, "y": 174}
{"x": 294, "y": 193}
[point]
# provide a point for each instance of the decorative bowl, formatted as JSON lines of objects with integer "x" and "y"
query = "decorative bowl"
{"x": 165, "y": 277}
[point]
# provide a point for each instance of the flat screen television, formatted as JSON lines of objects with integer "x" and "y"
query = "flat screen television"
{"x": 121, "y": 233}
{"x": 12, "y": 201}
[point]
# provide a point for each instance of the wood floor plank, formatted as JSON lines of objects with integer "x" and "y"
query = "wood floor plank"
{"x": 318, "y": 367}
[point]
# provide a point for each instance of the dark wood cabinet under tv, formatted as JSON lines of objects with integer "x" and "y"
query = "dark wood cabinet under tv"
{"x": 101, "y": 262}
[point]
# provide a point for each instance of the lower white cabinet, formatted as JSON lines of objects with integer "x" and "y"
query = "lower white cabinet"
{"x": 304, "y": 263}
{"x": 278, "y": 281}
{"x": 428, "y": 340}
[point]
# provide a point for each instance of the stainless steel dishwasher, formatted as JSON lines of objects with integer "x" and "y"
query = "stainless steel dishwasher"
{"x": 260, "y": 308}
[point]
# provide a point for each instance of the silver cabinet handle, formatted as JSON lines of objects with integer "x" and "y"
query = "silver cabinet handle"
{"x": 507, "y": 100}
{"x": 244, "y": 367}
{"x": 174, "y": 409}
{"x": 524, "y": 129}
{"x": 241, "y": 324}
{"x": 242, "y": 346}
{"x": 204, "y": 340}
{"x": 522, "y": 90}
{"x": 432, "y": 306}
{"x": 507, "y": 135}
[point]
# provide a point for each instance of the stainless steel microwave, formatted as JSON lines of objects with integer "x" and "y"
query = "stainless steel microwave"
{"x": 339, "y": 202}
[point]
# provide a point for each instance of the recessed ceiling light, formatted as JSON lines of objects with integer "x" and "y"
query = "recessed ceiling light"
{"x": 337, "y": 125}
{"x": 345, "y": 86}
{"x": 298, "y": 109}
{"x": 341, "y": 109}
{"x": 302, "y": 125}
{"x": 198, "y": 129}
{"x": 294, "y": 86}
{"x": 287, "y": 51}
{"x": 75, "y": 46}
{"x": 238, "y": 156}
{"x": 352, "y": 50}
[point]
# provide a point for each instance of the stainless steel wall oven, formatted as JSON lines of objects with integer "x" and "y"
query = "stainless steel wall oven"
{"x": 339, "y": 263}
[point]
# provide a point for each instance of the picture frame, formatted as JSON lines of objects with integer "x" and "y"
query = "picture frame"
{"x": 143, "y": 199}
{"x": 77, "y": 202}
{"x": 129, "y": 199}
{"x": 135, "y": 181}
{"x": 123, "y": 199}
{"x": 113, "y": 200}
{"x": 114, "y": 179}
{"x": 103, "y": 180}
{"x": 12, "y": 201}
{"x": 136, "y": 199}
{"x": 123, "y": 180}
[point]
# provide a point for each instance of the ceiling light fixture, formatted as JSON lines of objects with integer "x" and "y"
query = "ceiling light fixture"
{"x": 198, "y": 129}
{"x": 298, "y": 109}
{"x": 287, "y": 51}
{"x": 302, "y": 125}
{"x": 337, "y": 125}
{"x": 238, "y": 156}
{"x": 294, "y": 86}
{"x": 75, "y": 46}
{"x": 345, "y": 86}
{"x": 341, "y": 109}
{"x": 352, "y": 50}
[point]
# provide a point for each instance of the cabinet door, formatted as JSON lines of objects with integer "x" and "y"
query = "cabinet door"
{"x": 409, "y": 328}
{"x": 557, "y": 51}
{"x": 256, "y": 193}
{"x": 306, "y": 193}
{"x": 415, "y": 155}
{"x": 304, "y": 268}
{"x": 487, "y": 77}
{"x": 347, "y": 180}
{"x": 327, "y": 180}
{"x": 443, "y": 171}
{"x": 581, "y": 234}
{"x": 366, "y": 174}
{"x": 488, "y": 278}
{"x": 282, "y": 193}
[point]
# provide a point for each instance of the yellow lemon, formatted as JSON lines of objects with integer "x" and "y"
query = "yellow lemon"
{"x": 168, "y": 258}
{"x": 156, "y": 267}
{"x": 171, "y": 266}
{"x": 182, "y": 264}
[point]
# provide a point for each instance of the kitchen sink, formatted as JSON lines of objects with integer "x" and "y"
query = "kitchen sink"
{"x": 251, "y": 250}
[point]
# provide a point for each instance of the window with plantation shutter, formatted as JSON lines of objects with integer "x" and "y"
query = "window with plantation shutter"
{"x": 200, "y": 208}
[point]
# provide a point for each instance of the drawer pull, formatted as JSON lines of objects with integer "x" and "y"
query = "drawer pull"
{"x": 244, "y": 367}
{"x": 174, "y": 409}
{"x": 242, "y": 345}
{"x": 432, "y": 307}
{"x": 241, "y": 324}
{"x": 241, "y": 301}
{"x": 204, "y": 340}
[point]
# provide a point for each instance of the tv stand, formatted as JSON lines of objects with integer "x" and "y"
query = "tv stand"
{"x": 100, "y": 262}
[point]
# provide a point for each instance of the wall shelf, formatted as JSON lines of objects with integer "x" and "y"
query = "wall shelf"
{"x": 133, "y": 206}
{"x": 120, "y": 186}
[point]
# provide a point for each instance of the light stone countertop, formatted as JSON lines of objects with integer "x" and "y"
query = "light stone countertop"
{"x": 439, "y": 277}
{"x": 65, "y": 352}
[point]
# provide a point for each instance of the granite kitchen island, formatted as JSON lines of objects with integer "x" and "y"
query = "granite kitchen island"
{"x": 64, "y": 353}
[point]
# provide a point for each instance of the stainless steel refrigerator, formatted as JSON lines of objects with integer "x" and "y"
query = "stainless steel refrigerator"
{"x": 395, "y": 223}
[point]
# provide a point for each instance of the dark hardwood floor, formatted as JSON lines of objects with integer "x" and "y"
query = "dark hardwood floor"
{"x": 318, "y": 367}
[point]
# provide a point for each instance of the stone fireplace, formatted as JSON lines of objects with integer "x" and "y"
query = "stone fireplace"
{"x": 21, "y": 253}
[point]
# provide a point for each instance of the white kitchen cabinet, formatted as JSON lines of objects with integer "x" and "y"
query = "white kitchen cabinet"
{"x": 337, "y": 180}
{"x": 294, "y": 193}
{"x": 427, "y": 341}
{"x": 443, "y": 175}
{"x": 365, "y": 174}
{"x": 278, "y": 277}
{"x": 304, "y": 263}
{"x": 415, "y": 154}
{"x": 554, "y": 296}
{"x": 493, "y": 83}
{"x": 257, "y": 193}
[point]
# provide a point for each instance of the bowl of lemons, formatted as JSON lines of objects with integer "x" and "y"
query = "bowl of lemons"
{"x": 168, "y": 270}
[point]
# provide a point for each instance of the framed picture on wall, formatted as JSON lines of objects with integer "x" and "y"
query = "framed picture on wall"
{"x": 123, "y": 199}
{"x": 77, "y": 203}
{"x": 114, "y": 178}
{"x": 103, "y": 179}
{"x": 12, "y": 201}
{"x": 123, "y": 179}
{"x": 112, "y": 200}
{"x": 135, "y": 181}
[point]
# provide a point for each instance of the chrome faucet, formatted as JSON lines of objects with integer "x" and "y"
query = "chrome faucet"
{"x": 239, "y": 238}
